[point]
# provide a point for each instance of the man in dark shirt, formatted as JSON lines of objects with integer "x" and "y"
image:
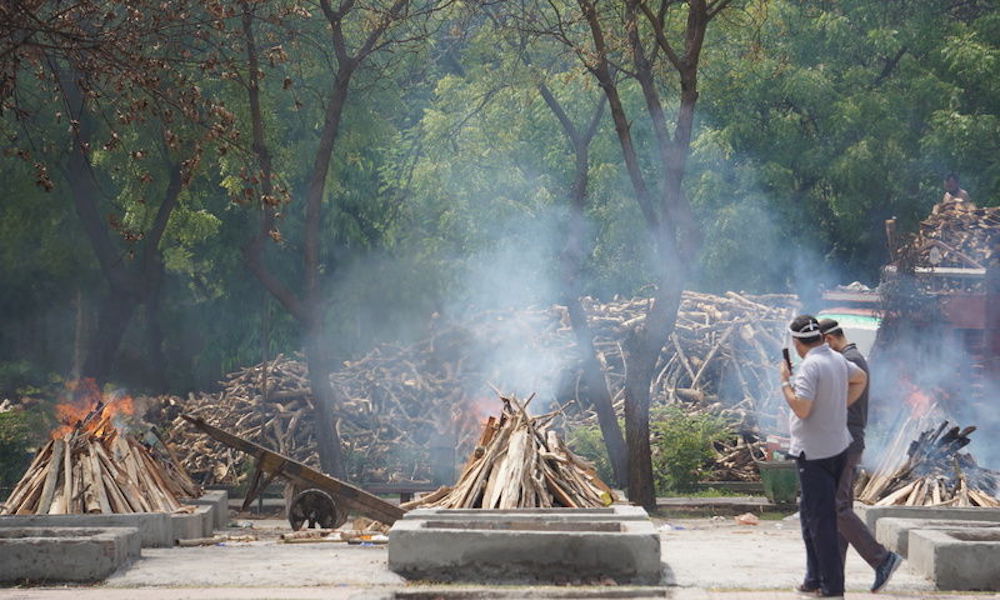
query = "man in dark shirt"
{"x": 852, "y": 529}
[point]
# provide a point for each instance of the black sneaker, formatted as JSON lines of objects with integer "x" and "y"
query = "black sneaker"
{"x": 807, "y": 590}
{"x": 885, "y": 570}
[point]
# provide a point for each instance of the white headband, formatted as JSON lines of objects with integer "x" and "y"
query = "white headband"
{"x": 810, "y": 330}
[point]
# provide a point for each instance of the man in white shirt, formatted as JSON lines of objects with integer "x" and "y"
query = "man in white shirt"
{"x": 953, "y": 191}
{"x": 818, "y": 397}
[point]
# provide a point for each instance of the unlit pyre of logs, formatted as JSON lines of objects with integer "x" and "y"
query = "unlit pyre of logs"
{"x": 520, "y": 462}
{"x": 95, "y": 468}
{"x": 933, "y": 473}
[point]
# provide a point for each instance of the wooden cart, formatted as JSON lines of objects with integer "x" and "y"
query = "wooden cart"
{"x": 321, "y": 499}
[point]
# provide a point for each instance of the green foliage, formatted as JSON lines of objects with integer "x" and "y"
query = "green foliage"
{"x": 588, "y": 442}
{"x": 20, "y": 377}
{"x": 16, "y": 440}
{"x": 816, "y": 121}
{"x": 682, "y": 446}
{"x": 831, "y": 117}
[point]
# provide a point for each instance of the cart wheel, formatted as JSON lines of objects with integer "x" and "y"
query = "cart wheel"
{"x": 312, "y": 508}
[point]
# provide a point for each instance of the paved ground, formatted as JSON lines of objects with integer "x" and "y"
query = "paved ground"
{"x": 707, "y": 558}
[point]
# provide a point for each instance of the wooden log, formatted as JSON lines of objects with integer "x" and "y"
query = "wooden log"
{"x": 30, "y": 503}
{"x": 558, "y": 492}
{"x": 67, "y": 500}
{"x": 897, "y": 496}
{"x": 428, "y": 499}
{"x": 119, "y": 505}
{"x": 78, "y": 504}
{"x": 90, "y": 502}
{"x": 123, "y": 486}
{"x": 26, "y": 485}
{"x": 916, "y": 496}
{"x": 55, "y": 468}
{"x": 97, "y": 475}
{"x": 711, "y": 354}
{"x": 983, "y": 499}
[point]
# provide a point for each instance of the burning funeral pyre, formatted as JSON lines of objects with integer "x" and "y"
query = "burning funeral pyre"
{"x": 398, "y": 401}
{"x": 91, "y": 465}
{"x": 932, "y": 472}
{"x": 520, "y": 463}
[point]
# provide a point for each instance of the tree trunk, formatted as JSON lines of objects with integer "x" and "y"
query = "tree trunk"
{"x": 668, "y": 218}
{"x": 130, "y": 283}
{"x": 154, "y": 332}
{"x": 642, "y": 351}
{"x": 640, "y": 464}
{"x": 327, "y": 399}
{"x": 597, "y": 392}
{"x": 80, "y": 336}
{"x": 116, "y": 313}
{"x": 572, "y": 261}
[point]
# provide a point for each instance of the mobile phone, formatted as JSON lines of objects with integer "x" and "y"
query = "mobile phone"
{"x": 788, "y": 359}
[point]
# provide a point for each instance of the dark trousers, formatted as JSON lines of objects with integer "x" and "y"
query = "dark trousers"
{"x": 852, "y": 529}
{"x": 818, "y": 480}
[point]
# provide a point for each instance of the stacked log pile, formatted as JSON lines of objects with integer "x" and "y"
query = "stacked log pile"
{"x": 955, "y": 234}
{"x": 721, "y": 357}
{"x": 399, "y": 400}
{"x": 520, "y": 462}
{"x": 965, "y": 228}
{"x": 391, "y": 413}
{"x": 734, "y": 460}
{"x": 95, "y": 468}
{"x": 932, "y": 472}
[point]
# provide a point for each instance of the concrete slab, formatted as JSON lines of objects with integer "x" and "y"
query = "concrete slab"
{"x": 708, "y": 559}
{"x": 958, "y": 513}
{"x": 219, "y": 499}
{"x": 63, "y": 554}
{"x": 617, "y": 512}
{"x": 155, "y": 529}
{"x": 187, "y": 526}
{"x": 958, "y": 560}
{"x": 525, "y": 550}
{"x": 894, "y": 533}
{"x": 207, "y": 513}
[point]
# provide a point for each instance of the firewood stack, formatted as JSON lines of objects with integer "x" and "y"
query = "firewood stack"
{"x": 398, "y": 400}
{"x": 955, "y": 234}
{"x": 521, "y": 463}
{"x": 720, "y": 358}
{"x": 392, "y": 410}
{"x": 933, "y": 473}
{"x": 95, "y": 468}
{"x": 734, "y": 460}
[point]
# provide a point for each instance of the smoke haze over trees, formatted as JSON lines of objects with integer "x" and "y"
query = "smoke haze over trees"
{"x": 193, "y": 186}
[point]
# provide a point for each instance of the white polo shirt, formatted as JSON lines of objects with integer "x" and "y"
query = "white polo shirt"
{"x": 821, "y": 377}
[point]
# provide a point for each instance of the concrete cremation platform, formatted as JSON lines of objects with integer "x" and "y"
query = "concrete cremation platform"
{"x": 197, "y": 524}
{"x": 895, "y": 533}
{"x": 526, "y": 546}
{"x": 958, "y": 560}
{"x": 620, "y": 512}
{"x": 220, "y": 500}
{"x": 155, "y": 529}
{"x": 957, "y": 513}
{"x": 57, "y": 554}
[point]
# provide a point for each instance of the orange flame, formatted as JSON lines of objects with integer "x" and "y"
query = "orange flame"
{"x": 87, "y": 409}
{"x": 920, "y": 403}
